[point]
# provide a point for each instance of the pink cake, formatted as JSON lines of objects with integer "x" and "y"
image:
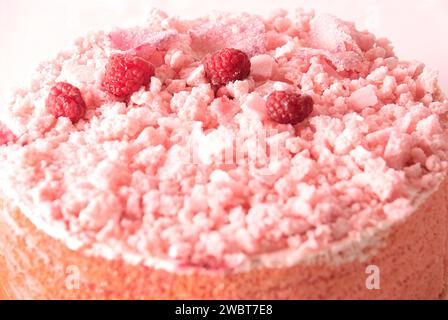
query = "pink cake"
{"x": 233, "y": 157}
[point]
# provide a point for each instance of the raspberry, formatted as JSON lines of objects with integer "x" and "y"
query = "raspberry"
{"x": 227, "y": 65}
{"x": 65, "y": 100}
{"x": 125, "y": 74}
{"x": 289, "y": 108}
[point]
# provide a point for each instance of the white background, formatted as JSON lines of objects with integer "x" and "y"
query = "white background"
{"x": 32, "y": 30}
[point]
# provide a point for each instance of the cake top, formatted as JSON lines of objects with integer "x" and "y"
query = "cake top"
{"x": 182, "y": 164}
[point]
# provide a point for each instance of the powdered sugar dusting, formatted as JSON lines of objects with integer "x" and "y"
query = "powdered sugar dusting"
{"x": 200, "y": 178}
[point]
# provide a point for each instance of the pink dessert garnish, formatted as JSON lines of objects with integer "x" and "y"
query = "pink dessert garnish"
{"x": 227, "y": 65}
{"x": 126, "y": 74}
{"x": 289, "y": 108}
{"x": 144, "y": 43}
{"x": 240, "y": 31}
{"x": 65, "y": 100}
{"x": 6, "y": 135}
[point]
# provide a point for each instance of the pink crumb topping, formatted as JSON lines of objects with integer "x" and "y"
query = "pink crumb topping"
{"x": 180, "y": 172}
{"x": 6, "y": 135}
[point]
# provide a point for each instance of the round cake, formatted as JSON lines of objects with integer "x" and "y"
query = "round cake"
{"x": 227, "y": 157}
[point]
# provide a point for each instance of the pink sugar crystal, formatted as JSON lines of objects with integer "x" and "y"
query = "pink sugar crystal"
{"x": 364, "y": 97}
{"x": 133, "y": 38}
{"x": 332, "y": 34}
{"x": 143, "y": 43}
{"x": 350, "y": 61}
{"x": 262, "y": 66}
{"x": 240, "y": 31}
{"x": 199, "y": 178}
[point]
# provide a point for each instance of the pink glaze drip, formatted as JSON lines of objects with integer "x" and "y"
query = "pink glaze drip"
{"x": 124, "y": 176}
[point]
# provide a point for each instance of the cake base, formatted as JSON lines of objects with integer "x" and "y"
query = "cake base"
{"x": 412, "y": 265}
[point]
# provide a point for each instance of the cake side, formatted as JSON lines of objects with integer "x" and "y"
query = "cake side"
{"x": 411, "y": 264}
{"x": 149, "y": 177}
